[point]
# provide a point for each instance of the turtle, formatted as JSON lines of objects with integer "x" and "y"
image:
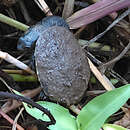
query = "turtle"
{"x": 61, "y": 64}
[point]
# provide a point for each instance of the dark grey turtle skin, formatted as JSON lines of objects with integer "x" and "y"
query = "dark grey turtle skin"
{"x": 62, "y": 66}
{"x": 33, "y": 33}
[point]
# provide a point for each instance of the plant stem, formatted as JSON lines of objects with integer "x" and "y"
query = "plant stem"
{"x": 14, "y": 23}
{"x": 23, "y": 78}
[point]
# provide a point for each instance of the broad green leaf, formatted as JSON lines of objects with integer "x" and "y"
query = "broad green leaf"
{"x": 64, "y": 120}
{"x": 94, "y": 114}
{"x": 112, "y": 127}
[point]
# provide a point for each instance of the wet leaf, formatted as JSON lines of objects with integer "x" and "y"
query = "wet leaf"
{"x": 94, "y": 114}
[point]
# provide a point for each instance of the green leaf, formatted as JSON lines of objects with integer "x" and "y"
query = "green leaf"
{"x": 64, "y": 120}
{"x": 94, "y": 114}
{"x": 112, "y": 127}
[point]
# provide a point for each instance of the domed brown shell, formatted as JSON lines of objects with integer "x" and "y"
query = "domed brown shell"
{"x": 62, "y": 66}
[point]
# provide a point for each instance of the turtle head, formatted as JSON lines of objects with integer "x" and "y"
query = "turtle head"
{"x": 29, "y": 38}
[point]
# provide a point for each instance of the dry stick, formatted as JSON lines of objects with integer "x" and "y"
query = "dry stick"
{"x": 15, "y": 104}
{"x": 102, "y": 78}
{"x": 13, "y": 71}
{"x": 74, "y": 109}
{"x": 32, "y": 103}
{"x": 120, "y": 78}
{"x": 127, "y": 12}
{"x": 117, "y": 58}
{"x": 95, "y": 92}
{"x": 10, "y": 120}
{"x": 44, "y": 7}
{"x": 68, "y": 8}
{"x": 16, "y": 119}
{"x": 16, "y": 62}
{"x": 1, "y": 79}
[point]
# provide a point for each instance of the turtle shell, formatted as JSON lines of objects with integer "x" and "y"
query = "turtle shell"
{"x": 62, "y": 66}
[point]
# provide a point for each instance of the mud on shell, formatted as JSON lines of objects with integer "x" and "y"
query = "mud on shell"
{"x": 62, "y": 66}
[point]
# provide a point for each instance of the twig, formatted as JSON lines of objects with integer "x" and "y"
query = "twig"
{"x": 98, "y": 62}
{"x": 95, "y": 92}
{"x": 113, "y": 73}
{"x": 16, "y": 62}
{"x": 13, "y": 71}
{"x": 117, "y": 58}
{"x": 16, "y": 119}
{"x": 108, "y": 28}
{"x": 8, "y": 81}
{"x": 102, "y": 78}
{"x": 68, "y": 8}
{"x": 44, "y": 7}
{"x": 7, "y": 107}
{"x": 6, "y": 84}
{"x": 118, "y": 77}
{"x": 74, "y": 109}
{"x": 10, "y": 120}
{"x": 33, "y": 104}
{"x": 10, "y": 35}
